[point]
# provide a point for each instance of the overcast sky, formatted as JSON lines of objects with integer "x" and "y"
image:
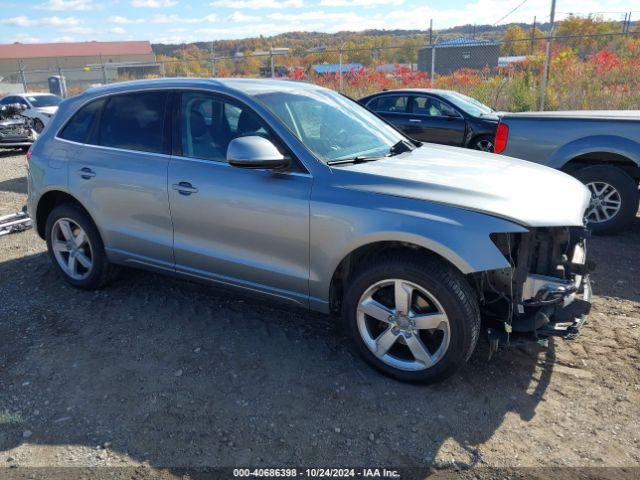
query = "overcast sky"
{"x": 175, "y": 21}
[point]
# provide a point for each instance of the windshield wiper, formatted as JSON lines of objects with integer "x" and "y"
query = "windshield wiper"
{"x": 359, "y": 159}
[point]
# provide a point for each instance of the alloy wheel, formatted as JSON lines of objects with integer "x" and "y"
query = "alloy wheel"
{"x": 605, "y": 202}
{"x": 484, "y": 145}
{"x": 72, "y": 248}
{"x": 403, "y": 324}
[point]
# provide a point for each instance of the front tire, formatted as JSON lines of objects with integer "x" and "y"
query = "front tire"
{"x": 76, "y": 249}
{"x": 415, "y": 321}
{"x": 614, "y": 197}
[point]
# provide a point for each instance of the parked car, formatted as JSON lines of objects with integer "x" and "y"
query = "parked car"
{"x": 437, "y": 116}
{"x": 294, "y": 192}
{"x": 41, "y": 107}
{"x": 16, "y": 130}
{"x": 599, "y": 148}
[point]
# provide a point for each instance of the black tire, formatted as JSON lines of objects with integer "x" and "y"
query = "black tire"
{"x": 627, "y": 189}
{"x": 483, "y": 143}
{"x": 450, "y": 289}
{"x": 101, "y": 271}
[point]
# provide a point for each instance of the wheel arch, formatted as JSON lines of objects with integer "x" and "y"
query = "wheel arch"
{"x": 352, "y": 261}
{"x": 607, "y": 158}
{"x": 50, "y": 200}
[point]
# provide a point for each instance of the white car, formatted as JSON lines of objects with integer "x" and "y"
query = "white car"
{"x": 39, "y": 106}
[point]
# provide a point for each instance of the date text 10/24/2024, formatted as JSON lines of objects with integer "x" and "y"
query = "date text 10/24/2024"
{"x": 316, "y": 472}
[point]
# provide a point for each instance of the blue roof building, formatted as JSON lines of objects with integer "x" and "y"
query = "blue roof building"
{"x": 329, "y": 68}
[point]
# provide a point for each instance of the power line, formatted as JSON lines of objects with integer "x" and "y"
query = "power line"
{"x": 512, "y": 11}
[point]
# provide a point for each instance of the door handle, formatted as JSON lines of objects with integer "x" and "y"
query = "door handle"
{"x": 184, "y": 188}
{"x": 86, "y": 173}
{"x": 415, "y": 120}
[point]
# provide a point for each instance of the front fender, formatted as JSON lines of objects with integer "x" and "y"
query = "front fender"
{"x": 347, "y": 220}
{"x": 592, "y": 144}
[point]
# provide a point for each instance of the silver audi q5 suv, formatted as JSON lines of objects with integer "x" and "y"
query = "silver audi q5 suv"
{"x": 292, "y": 191}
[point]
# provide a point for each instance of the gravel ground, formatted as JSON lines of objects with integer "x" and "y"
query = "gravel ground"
{"x": 161, "y": 373}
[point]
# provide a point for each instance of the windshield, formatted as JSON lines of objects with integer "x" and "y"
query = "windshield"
{"x": 330, "y": 125}
{"x": 44, "y": 100}
{"x": 468, "y": 104}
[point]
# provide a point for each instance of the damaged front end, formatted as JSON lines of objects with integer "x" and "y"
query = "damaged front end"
{"x": 16, "y": 130}
{"x": 546, "y": 291}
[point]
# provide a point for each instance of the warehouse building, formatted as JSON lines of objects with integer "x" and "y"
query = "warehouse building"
{"x": 79, "y": 61}
{"x": 456, "y": 53}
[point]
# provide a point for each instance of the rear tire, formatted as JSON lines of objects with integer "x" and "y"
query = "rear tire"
{"x": 76, "y": 249}
{"x": 615, "y": 197}
{"x": 442, "y": 317}
{"x": 483, "y": 143}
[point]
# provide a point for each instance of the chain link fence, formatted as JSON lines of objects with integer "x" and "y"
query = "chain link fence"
{"x": 599, "y": 71}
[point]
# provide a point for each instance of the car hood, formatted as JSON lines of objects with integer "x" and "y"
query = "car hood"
{"x": 517, "y": 190}
{"x": 48, "y": 110}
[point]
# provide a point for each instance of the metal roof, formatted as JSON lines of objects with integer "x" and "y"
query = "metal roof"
{"x": 464, "y": 42}
{"x": 73, "y": 49}
{"x": 335, "y": 67}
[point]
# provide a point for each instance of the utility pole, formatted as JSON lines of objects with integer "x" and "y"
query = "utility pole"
{"x": 533, "y": 35}
{"x": 545, "y": 73}
{"x": 430, "y": 31}
{"x": 22, "y": 77}
{"x": 624, "y": 22}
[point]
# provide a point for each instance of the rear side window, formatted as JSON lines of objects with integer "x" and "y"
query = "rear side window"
{"x": 134, "y": 122}
{"x": 389, "y": 104}
{"x": 77, "y": 129}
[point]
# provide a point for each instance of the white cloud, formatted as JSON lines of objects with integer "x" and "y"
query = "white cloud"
{"x": 64, "y": 39}
{"x": 241, "y": 17}
{"x": 153, "y": 3}
{"x": 258, "y": 4}
{"x": 315, "y": 16}
{"x": 66, "y": 5}
{"x": 117, "y": 31}
{"x": 24, "y": 21}
{"x": 25, "y": 38}
{"x": 358, "y": 3}
{"x": 123, "y": 20}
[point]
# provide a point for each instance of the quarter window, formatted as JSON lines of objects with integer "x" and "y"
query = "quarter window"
{"x": 77, "y": 129}
{"x": 209, "y": 123}
{"x": 134, "y": 122}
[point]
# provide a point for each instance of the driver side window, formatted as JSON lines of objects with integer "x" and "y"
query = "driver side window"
{"x": 209, "y": 123}
{"x": 431, "y": 107}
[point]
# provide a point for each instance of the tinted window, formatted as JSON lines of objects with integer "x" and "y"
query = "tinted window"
{"x": 209, "y": 123}
{"x": 134, "y": 122}
{"x": 44, "y": 100}
{"x": 78, "y": 127}
{"x": 390, "y": 104}
{"x": 7, "y": 100}
{"x": 430, "y": 106}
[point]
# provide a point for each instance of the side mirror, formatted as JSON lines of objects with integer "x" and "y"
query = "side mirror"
{"x": 255, "y": 152}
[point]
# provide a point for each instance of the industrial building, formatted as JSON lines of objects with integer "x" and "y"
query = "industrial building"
{"x": 79, "y": 62}
{"x": 456, "y": 53}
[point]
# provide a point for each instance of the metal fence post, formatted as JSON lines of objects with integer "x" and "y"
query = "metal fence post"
{"x": 22, "y": 77}
{"x": 104, "y": 71}
{"x": 273, "y": 70}
{"x": 341, "y": 87}
{"x": 433, "y": 64}
{"x": 547, "y": 58}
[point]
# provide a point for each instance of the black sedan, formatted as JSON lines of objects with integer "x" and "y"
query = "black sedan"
{"x": 437, "y": 116}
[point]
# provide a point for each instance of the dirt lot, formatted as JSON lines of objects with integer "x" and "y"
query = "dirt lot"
{"x": 166, "y": 373}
